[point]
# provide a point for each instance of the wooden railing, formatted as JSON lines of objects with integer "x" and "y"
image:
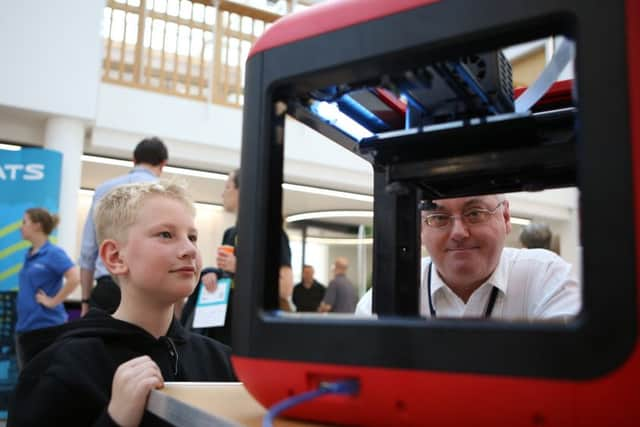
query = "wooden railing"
{"x": 196, "y": 49}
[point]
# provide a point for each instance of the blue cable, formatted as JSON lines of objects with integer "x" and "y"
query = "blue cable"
{"x": 339, "y": 387}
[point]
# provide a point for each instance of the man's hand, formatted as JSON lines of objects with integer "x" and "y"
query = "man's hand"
{"x": 226, "y": 261}
{"x": 210, "y": 281}
{"x": 286, "y": 282}
{"x": 132, "y": 383}
{"x": 84, "y": 308}
{"x": 86, "y": 284}
{"x": 44, "y": 299}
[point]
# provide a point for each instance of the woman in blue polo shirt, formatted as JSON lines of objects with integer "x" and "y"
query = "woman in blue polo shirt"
{"x": 40, "y": 293}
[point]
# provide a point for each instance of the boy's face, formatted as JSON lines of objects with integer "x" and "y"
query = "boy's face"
{"x": 160, "y": 258}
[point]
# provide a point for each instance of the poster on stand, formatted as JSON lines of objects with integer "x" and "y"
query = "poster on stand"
{"x": 29, "y": 178}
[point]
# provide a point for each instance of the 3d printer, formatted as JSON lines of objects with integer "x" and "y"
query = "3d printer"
{"x": 432, "y": 95}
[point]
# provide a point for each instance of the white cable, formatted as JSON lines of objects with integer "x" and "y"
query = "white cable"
{"x": 547, "y": 78}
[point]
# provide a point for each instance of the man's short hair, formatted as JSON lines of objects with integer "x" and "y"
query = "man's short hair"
{"x": 118, "y": 209}
{"x": 151, "y": 151}
{"x": 536, "y": 236}
{"x": 430, "y": 205}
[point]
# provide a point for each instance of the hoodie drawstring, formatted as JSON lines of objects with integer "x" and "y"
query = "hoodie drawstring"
{"x": 173, "y": 353}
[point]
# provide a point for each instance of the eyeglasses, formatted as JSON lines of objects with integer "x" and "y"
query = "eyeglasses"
{"x": 472, "y": 216}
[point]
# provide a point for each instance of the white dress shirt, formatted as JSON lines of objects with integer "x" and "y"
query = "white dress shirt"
{"x": 532, "y": 284}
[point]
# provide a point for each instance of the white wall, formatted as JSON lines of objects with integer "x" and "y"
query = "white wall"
{"x": 209, "y": 136}
{"x": 51, "y": 53}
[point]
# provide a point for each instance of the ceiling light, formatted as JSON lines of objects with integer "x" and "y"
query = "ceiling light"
{"x": 520, "y": 221}
{"x": 192, "y": 172}
{"x": 10, "y": 147}
{"x": 327, "y": 192}
{"x": 336, "y": 241}
{"x": 213, "y": 206}
{"x": 169, "y": 169}
{"x": 329, "y": 214}
{"x": 223, "y": 177}
{"x": 107, "y": 161}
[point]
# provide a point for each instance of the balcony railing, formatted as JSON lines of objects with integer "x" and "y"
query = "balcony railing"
{"x": 195, "y": 49}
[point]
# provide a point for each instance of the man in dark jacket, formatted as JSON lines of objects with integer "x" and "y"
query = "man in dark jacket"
{"x": 102, "y": 368}
{"x": 226, "y": 261}
{"x": 308, "y": 294}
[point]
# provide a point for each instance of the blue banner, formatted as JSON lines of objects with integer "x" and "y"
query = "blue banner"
{"x": 28, "y": 178}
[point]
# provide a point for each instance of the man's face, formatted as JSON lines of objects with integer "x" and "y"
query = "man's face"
{"x": 307, "y": 274}
{"x": 230, "y": 195}
{"x": 467, "y": 254}
{"x": 161, "y": 257}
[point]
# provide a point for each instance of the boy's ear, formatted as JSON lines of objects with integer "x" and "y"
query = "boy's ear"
{"x": 111, "y": 257}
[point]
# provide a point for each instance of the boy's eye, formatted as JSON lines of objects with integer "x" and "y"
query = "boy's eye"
{"x": 193, "y": 238}
{"x": 165, "y": 234}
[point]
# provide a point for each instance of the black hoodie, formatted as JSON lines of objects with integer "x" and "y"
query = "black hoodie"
{"x": 69, "y": 383}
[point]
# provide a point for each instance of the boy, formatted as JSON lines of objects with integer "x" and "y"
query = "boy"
{"x": 102, "y": 369}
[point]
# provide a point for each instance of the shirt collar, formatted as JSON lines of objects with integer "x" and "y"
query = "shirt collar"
{"x": 142, "y": 169}
{"x": 43, "y": 250}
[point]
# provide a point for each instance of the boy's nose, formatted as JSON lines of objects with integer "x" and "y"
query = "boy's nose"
{"x": 188, "y": 249}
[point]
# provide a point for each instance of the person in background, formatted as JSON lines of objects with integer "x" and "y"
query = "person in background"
{"x": 341, "y": 296}
{"x": 471, "y": 274}
{"x": 226, "y": 267}
{"x": 536, "y": 235}
{"x": 308, "y": 294}
{"x": 102, "y": 369}
{"x": 149, "y": 158}
{"x": 41, "y": 292}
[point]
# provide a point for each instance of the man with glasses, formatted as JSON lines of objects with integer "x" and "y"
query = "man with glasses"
{"x": 471, "y": 274}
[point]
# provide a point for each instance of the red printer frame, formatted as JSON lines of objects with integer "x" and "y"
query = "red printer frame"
{"x": 414, "y": 371}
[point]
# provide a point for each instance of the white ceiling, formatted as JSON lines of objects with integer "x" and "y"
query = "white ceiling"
{"x": 206, "y": 190}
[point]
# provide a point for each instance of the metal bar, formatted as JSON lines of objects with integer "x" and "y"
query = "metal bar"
{"x": 225, "y": 82}
{"x": 396, "y": 240}
{"x": 217, "y": 49}
{"x": 162, "y": 56}
{"x": 178, "y": 20}
{"x": 179, "y": 413}
{"x": 149, "y": 64}
{"x": 246, "y": 10}
{"x": 123, "y": 46}
{"x": 174, "y": 79}
{"x": 201, "y": 75}
{"x": 138, "y": 60}
{"x": 107, "y": 67}
{"x": 189, "y": 59}
{"x": 238, "y": 73}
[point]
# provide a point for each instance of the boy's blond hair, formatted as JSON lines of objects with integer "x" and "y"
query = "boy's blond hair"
{"x": 118, "y": 209}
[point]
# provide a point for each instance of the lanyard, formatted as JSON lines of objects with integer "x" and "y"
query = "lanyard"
{"x": 487, "y": 312}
